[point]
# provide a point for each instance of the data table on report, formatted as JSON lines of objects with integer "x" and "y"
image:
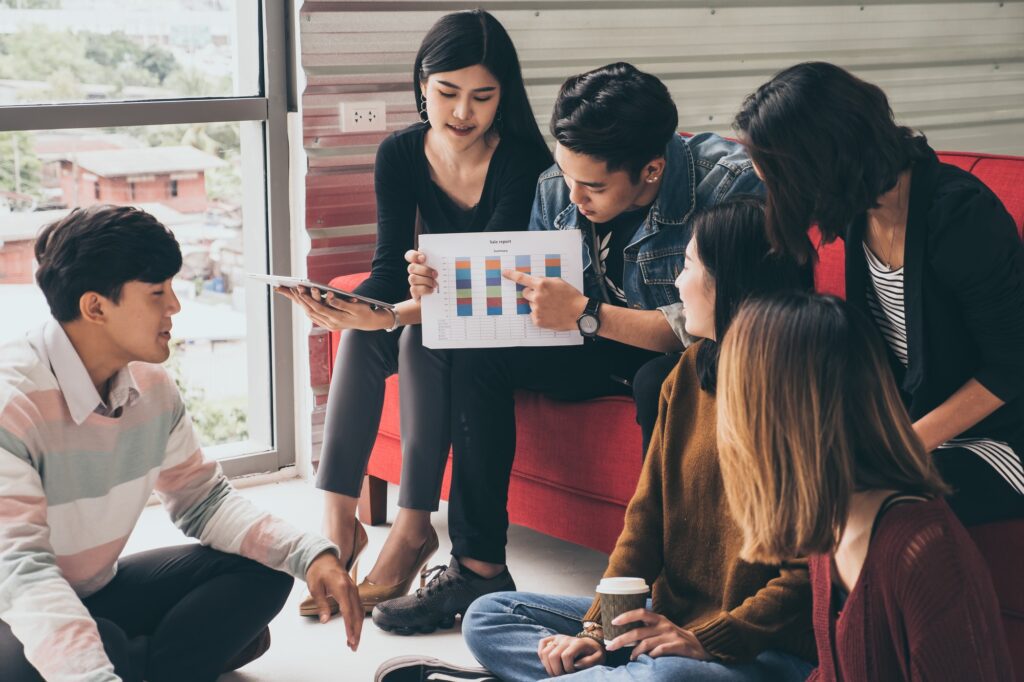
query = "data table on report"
{"x": 475, "y": 306}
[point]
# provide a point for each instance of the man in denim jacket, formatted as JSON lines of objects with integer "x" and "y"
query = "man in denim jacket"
{"x": 699, "y": 171}
{"x": 631, "y": 185}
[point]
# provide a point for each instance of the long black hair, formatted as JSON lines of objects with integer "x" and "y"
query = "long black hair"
{"x": 828, "y": 146}
{"x": 733, "y": 247}
{"x": 463, "y": 39}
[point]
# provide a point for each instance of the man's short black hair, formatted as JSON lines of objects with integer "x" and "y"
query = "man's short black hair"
{"x": 99, "y": 249}
{"x": 618, "y": 114}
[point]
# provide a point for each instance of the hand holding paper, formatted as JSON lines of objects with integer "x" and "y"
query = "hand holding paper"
{"x": 468, "y": 303}
{"x": 422, "y": 278}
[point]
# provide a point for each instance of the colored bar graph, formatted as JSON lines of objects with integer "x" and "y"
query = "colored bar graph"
{"x": 552, "y": 265}
{"x": 493, "y": 283}
{"x": 492, "y": 270}
{"x": 463, "y": 287}
{"x": 522, "y": 305}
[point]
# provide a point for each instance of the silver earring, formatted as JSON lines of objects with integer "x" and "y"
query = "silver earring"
{"x": 423, "y": 106}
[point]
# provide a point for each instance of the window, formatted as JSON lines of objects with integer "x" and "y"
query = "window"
{"x": 170, "y": 107}
{"x": 129, "y": 50}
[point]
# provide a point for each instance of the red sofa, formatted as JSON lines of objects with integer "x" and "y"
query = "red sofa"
{"x": 574, "y": 484}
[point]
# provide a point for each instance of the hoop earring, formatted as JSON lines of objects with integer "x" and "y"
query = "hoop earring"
{"x": 423, "y": 107}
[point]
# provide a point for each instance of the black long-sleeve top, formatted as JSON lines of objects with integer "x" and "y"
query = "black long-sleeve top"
{"x": 403, "y": 185}
{"x": 963, "y": 297}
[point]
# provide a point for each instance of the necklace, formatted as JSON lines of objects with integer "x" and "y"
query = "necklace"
{"x": 895, "y": 224}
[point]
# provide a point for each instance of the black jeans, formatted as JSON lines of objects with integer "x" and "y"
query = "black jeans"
{"x": 484, "y": 430}
{"x": 980, "y": 494}
{"x": 647, "y": 385}
{"x": 172, "y": 614}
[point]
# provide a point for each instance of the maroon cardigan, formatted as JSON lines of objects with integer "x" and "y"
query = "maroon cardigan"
{"x": 923, "y": 607}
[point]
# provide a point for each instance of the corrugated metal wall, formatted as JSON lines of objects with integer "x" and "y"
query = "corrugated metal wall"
{"x": 952, "y": 69}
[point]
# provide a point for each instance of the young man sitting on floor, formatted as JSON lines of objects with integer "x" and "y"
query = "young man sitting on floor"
{"x": 90, "y": 426}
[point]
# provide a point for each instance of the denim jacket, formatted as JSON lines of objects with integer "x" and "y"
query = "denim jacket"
{"x": 700, "y": 171}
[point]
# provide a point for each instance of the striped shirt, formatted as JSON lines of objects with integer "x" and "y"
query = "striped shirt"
{"x": 885, "y": 301}
{"x": 75, "y": 474}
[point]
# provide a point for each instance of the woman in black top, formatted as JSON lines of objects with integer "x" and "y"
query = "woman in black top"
{"x": 470, "y": 165}
{"x": 932, "y": 256}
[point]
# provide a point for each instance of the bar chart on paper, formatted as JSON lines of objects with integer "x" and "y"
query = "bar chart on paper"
{"x": 475, "y": 307}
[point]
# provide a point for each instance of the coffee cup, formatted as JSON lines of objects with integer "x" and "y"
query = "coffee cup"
{"x": 618, "y": 596}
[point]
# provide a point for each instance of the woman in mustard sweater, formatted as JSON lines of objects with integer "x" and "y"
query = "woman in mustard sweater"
{"x": 713, "y": 615}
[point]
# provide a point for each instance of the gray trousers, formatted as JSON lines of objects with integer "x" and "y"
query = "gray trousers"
{"x": 355, "y": 401}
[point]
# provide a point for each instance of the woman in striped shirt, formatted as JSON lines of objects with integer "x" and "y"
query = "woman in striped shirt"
{"x": 932, "y": 256}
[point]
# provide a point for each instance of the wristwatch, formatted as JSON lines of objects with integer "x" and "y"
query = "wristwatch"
{"x": 589, "y": 322}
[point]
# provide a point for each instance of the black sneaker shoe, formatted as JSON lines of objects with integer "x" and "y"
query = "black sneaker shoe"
{"x": 422, "y": 669}
{"x": 447, "y": 594}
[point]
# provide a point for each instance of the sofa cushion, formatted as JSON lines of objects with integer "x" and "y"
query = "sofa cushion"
{"x": 1005, "y": 177}
{"x": 591, "y": 448}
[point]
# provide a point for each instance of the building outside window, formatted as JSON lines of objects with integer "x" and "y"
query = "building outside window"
{"x": 164, "y": 106}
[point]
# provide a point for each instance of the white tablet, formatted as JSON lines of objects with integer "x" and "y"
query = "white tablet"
{"x": 296, "y": 282}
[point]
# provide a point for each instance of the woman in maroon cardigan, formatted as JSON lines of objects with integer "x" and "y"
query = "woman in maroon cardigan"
{"x": 819, "y": 458}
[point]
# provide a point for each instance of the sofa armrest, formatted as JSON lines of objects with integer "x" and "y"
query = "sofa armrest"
{"x": 349, "y": 282}
{"x": 346, "y": 283}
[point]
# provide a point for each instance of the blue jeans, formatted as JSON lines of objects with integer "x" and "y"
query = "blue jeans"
{"x": 503, "y": 630}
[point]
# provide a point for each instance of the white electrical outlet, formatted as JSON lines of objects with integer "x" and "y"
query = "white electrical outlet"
{"x": 360, "y": 117}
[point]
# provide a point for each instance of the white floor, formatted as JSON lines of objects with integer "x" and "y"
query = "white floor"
{"x": 305, "y": 651}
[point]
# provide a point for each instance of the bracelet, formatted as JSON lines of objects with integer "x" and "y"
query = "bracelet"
{"x": 395, "y": 324}
{"x": 592, "y": 634}
{"x": 592, "y": 631}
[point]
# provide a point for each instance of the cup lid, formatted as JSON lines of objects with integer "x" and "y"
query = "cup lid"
{"x": 622, "y": 586}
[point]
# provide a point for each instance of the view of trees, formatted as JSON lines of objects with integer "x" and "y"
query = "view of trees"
{"x": 216, "y": 421}
{"x": 21, "y": 176}
{"x": 63, "y": 62}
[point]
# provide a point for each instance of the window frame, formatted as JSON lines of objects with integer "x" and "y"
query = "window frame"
{"x": 271, "y": 110}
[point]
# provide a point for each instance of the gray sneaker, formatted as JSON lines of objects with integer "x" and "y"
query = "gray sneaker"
{"x": 422, "y": 669}
{"x": 447, "y": 594}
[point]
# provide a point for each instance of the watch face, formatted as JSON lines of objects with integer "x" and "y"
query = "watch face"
{"x": 588, "y": 324}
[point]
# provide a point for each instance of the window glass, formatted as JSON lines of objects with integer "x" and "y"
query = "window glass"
{"x": 193, "y": 179}
{"x": 63, "y": 51}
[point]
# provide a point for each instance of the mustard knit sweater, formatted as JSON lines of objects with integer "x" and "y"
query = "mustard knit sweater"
{"x": 680, "y": 536}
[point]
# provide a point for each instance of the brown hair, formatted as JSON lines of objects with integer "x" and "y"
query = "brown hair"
{"x": 808, "y": 414}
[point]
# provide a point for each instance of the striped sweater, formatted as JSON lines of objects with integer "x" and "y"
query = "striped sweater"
{"x": 74, "y": 481}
